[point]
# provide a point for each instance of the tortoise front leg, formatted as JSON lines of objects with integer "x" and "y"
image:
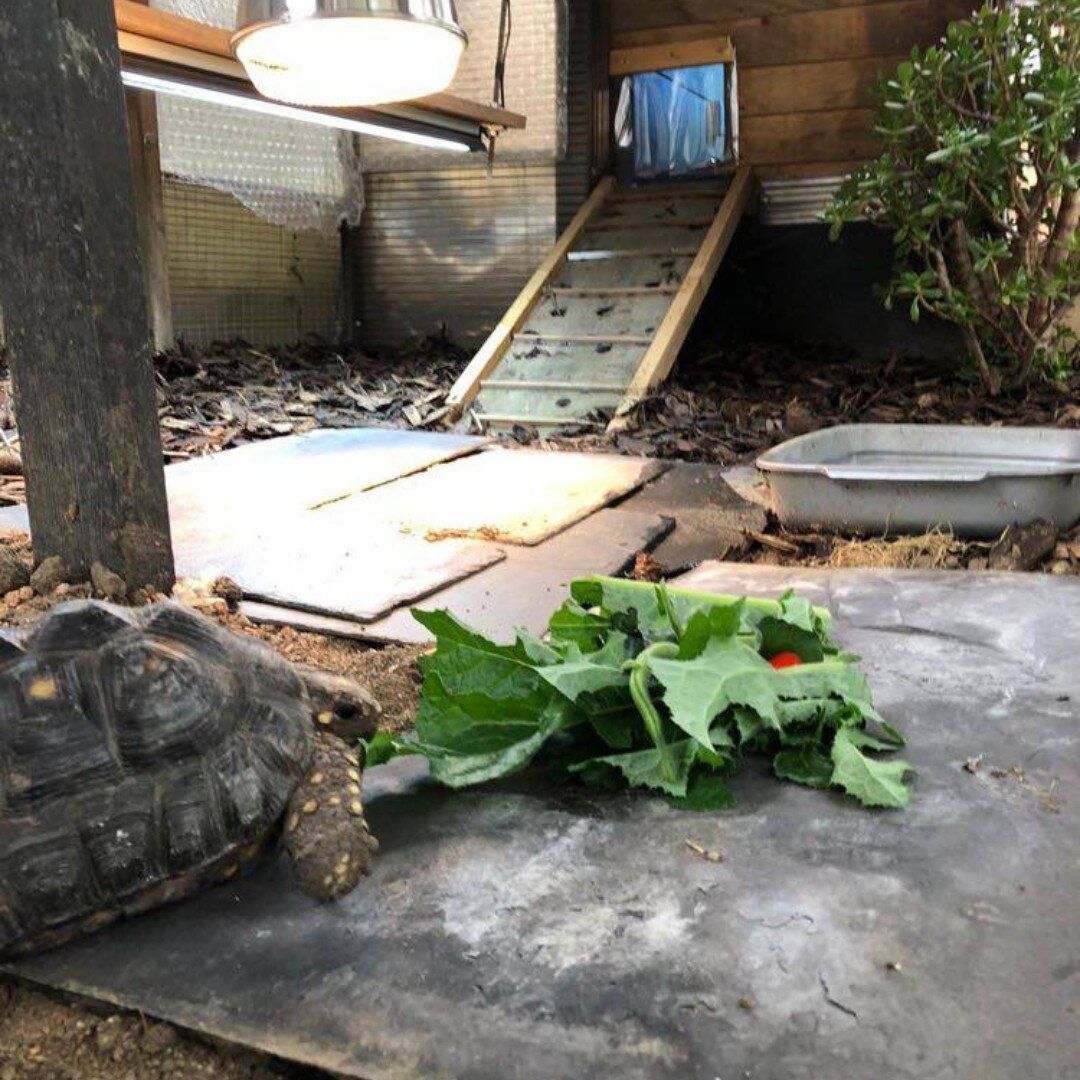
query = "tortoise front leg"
{"x": 326, "y": 835}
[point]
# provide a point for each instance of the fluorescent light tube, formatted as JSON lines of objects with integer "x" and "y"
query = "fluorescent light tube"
{"x": 237, "y": 99}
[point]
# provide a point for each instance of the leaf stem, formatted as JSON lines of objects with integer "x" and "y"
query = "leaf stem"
{"x": 639, "y": 693}
{"x": 663, "y": 599}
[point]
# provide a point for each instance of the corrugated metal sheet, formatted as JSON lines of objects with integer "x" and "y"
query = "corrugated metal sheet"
{"x": 232, "y": 274}
{"x": 796, "y": 202}
{"x": 450, "y": 248}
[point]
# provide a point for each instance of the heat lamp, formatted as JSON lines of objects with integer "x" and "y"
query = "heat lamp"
{"x": 342, "y": 53}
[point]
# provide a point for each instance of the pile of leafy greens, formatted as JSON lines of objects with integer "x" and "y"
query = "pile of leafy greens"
{"x": 657, "y": 687}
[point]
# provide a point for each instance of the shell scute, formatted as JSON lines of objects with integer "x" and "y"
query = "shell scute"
{"x": 122, "y": 838}
{"x": 191, "y": 813}
{"x": 52, "y": 876}
{"x": 78, "y": 627}
{"x": 51, "y": 738}
{"x": 165, "y": 702}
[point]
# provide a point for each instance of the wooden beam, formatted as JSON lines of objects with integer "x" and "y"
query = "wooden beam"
{"x": 665, "y": 35}
{"x": 661, "y": 355}
{"x": 207, "y": 48}
{"x": 841, "y": 135}
{"x": 633, "y": 18}
{"x": 799, "y": 88}
{"x": 180, "y": 56}
{"x": 495, "y": 348}
{"x": 640, "y": 58}
{"x": 809, "y": 31}
{"x": 150, "y": 211}
{"x": 72, "y": 295}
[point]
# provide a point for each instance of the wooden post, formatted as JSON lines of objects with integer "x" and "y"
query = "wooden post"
{"x": 71, "y": 295}
{"x": 150, "y": 211}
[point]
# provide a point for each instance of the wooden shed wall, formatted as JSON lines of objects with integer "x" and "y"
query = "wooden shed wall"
{"x": 805, "y": 67}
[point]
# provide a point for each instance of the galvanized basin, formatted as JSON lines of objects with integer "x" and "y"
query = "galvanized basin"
{"x": 907, "y": 478}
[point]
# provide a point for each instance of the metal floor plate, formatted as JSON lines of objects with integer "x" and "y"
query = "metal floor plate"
{"x": 522, "y": 931}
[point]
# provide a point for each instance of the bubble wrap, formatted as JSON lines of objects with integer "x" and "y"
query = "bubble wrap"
{"x": 296, "y": 175}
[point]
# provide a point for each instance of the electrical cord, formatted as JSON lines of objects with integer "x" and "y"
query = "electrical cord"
{"x": 498, "y": 94}
{"x": 506, "y": 26}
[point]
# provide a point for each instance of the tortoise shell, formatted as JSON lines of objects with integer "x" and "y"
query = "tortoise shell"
{"x": 142, "y": 753}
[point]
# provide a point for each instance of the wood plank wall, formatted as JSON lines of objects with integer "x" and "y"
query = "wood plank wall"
{"x": 805, "y": 67}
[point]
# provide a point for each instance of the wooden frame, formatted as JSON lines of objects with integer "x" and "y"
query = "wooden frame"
{"x": 671, "y": 335}
{"x": 151, "y": 34}
{"x": 499, "y": 341}
{"x": 694, "y": 52}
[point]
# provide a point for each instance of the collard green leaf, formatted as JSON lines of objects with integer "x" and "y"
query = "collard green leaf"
{"x": 804, "y": 765}
{"x": 872, "y": 782}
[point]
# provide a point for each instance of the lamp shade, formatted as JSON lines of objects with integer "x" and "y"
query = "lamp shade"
{"x": 341, "y": 53}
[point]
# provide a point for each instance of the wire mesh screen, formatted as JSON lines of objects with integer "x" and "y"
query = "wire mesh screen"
{"x": 234, "y": 274}
{"x": 296, "y": 175}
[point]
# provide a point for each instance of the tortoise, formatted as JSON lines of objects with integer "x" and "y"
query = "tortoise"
{"x": 147, "y": 753}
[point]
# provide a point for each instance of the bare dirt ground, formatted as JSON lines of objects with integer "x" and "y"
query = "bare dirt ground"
{"x": 43, "y": 1038}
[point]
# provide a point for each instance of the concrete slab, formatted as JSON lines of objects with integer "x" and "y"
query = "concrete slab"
{"x": 533, "y": 582}
{"x": 523, "y": 932}
{"x": 523, "y": 591}
{"x": 503, "y": 496}
{"x": 710, "y": 517}
{"x": 298, "y": 472}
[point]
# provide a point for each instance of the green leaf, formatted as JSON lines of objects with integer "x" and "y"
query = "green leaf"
{"x": 729, "y": 673}
{"x": 780, "y": 635}
{"x": 643, "y": 768}
{"x": 383, "y": 747}
{"x": 705, "y": 791}
{"x": 468, "y": 740}
{"x": 573, "y": 624}
{"x": 587, "y": 673}
{"x": 806, "y": 765}
{"x": 872, "y": 782}
{"x": 639, "y": 602}
{"x": 488, "y": 710}
{"x": 697, "y": 691}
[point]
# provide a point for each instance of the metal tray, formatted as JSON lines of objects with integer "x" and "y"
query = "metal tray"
{"x": 903, "y": 478}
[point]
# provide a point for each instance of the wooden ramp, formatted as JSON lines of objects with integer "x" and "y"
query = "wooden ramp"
{"x": 602, "y": 320}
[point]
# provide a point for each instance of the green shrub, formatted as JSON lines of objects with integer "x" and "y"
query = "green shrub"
{"x": 977, "y": 180}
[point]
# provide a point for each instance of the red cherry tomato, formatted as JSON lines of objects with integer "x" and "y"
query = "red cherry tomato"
{"x": 785, "y": 659}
